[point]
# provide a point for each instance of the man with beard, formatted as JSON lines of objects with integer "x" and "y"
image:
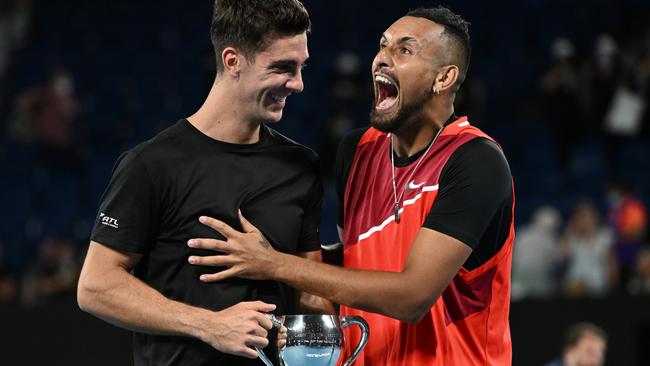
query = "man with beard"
{"x": 426, "y": 221}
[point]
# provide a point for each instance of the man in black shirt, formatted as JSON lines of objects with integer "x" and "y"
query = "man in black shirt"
{"x": 222, "y": 161}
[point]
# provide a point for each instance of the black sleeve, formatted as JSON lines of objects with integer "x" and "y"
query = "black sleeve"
{"x": 344, "y": 158}
{"x": 474, "y": 184}
{"x": 309, "y": 231}
{"x": 128, "y": 208}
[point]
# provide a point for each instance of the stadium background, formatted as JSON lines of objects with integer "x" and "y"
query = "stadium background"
{"x": 81, "y": 81}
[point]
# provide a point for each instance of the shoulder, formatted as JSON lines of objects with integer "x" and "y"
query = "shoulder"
{"x": 481, "y": 149}
{"x": 151, "y": 153}
{"x": 479, "y": 163}
{"x": 299, "y": 150}
{"x": 481, "y": 154}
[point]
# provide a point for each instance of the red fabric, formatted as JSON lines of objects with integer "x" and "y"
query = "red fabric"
{"x": 468, "y": 324}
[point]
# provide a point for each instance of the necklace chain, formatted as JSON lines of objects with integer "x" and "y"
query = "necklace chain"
{"x": 392, "y": 164}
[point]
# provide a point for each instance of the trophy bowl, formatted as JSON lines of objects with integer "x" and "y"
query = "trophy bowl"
{"x": 313, "y": 340}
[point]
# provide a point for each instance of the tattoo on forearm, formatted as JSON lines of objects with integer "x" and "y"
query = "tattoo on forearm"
{"x": 265, "y": 243}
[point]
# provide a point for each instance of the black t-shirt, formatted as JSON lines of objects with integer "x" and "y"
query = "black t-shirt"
{"x": 474, "y": 203}
{"x": 152, "y": 204}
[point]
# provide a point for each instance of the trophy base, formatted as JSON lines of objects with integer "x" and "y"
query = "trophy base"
{"x": 312, "y": 356}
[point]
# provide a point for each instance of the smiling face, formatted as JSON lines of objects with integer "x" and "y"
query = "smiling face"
{"x": 404, "y": 71}
{"x": 274, "y": 74}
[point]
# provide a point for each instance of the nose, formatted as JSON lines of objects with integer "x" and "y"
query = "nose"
{"x": 295, "y": 83}
{"x": 382, "y": 60}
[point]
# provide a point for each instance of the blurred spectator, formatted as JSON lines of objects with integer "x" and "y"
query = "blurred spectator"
{"x": 7, "y": 281}
{"x": 587, "y": 251}
{"x": 14, "y": 22}
{"x": 600, "y": 79}
{"x": 585, "y": 344}
{"x": 624, "y": 118}
{"x": 45, "y": 116}
{"x": 46, "y": 112}
{"x": 628, "y": 216}
{"x": 15, "y": 18}
{"x": 536, "y": 256}
{"x": 53, "y": 273}
{"x": 639, "y": 284}
{"x": 643, "y": 74}
{"x": 560, "y": 90}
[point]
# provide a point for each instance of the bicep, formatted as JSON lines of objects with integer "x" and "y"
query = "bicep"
{"x": 101, "y": 258}
{"x": 433, "y": 261}
{"x": 474, "y": 185}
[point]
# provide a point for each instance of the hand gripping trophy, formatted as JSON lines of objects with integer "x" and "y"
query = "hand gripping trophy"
{"x": 311, "y": 340}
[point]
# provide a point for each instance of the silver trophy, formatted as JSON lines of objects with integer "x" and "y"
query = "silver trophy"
{"x": 313, "y": 340}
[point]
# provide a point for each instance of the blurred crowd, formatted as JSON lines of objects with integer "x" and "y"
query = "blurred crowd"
{"x": 586, "y": 255}
{"x": 574, "y": 124}
{"x": 600, "y": 245}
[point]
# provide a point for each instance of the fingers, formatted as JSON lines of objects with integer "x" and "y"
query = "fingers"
{"x": 259, "y": 331}
{"x": 213, "y": 260}
{"x": 211, "y": 244}
{"x": 264, "y": 321}
{"x": 247, "y": 352}
{"x": 260, "y": 306}
{"x": 256, "y": 341}
{"x": 219, "y": 276}
{"x": 245, "y": 224}
{"x": 219, "y": 226}
{"x": 282, "y": 337}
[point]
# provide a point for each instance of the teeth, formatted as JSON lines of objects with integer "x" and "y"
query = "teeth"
{"x": 278, "y": 98}
{"x": 383, "y": 80}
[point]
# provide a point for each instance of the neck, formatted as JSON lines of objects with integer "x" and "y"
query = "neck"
{"x": 220, "y": 117}
{"x": 418, "y": 132}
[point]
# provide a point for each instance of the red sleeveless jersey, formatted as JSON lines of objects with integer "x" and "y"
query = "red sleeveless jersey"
{"x": 468, "y": 324}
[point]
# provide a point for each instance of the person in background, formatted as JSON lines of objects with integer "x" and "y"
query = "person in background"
{"x": 585, "y": 344}
{"x": 587, "y": 251}
{"x": 629, "y": 218}
{"x": 536, "y": 256}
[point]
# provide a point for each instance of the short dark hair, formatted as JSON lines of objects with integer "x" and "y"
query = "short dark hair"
{"x": 576, "y": 331}
{"x": 456, "y": 32}
{"x": 247, "y": 24}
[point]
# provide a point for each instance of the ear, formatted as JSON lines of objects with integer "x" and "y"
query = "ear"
{"x": 232, "y": 61}
{"x": 445, "y": 79}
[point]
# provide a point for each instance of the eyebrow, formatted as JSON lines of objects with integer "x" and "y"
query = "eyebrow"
{"x": 285, "y": 64}
{"x": 405, "y": 39}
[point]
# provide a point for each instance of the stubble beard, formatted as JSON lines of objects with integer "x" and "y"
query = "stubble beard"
{"x": 385, "y": 124}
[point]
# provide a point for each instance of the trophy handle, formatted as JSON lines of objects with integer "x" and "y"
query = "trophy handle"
{"x": 263, "y": 357}
{"x": 346, "y": 321}
{"x": 277, "y": 323}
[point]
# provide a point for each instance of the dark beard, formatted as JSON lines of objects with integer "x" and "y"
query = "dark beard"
{"x": 404, "y": 114}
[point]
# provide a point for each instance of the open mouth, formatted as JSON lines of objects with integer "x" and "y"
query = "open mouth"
{"x": 386, "y": 93}
{"x": 278, "y": 98}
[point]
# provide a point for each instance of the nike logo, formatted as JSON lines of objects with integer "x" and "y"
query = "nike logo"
{"x": 412, "y": 185}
